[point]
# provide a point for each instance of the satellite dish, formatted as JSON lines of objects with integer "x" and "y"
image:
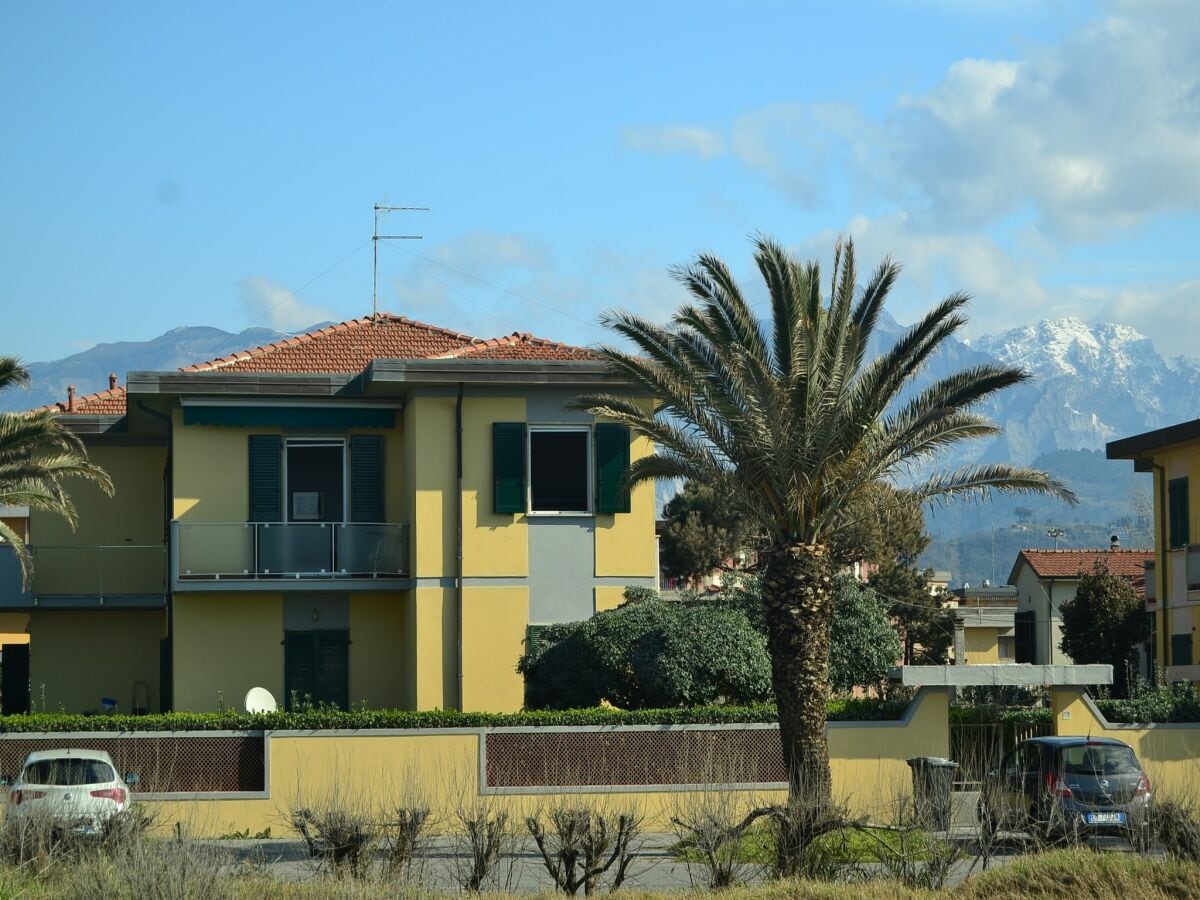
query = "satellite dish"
{"x": 259, "y": 700}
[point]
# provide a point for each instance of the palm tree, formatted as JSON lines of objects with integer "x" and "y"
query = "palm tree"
{"x": 799, "y": 427}
{"x": 37, "y": 454}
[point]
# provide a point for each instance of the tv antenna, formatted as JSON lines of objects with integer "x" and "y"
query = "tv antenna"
{"x": 380, "y": 208}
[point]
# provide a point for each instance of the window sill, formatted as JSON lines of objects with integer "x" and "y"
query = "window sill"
{"x": 550, "y": 514}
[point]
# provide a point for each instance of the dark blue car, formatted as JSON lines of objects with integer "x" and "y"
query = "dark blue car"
{"x": 1054, "y": 786}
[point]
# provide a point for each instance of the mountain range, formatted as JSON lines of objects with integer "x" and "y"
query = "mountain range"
{"x": 1090, "y": 384}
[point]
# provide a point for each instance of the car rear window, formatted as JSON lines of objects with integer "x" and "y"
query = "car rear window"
{"x": 68, "y": 771}
{"x": 1099, "y": 759}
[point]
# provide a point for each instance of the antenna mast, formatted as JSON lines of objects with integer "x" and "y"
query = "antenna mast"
{"x": 387, "y": 237}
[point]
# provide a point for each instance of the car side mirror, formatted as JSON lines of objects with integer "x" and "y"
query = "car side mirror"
{"x": 131, "y": 778}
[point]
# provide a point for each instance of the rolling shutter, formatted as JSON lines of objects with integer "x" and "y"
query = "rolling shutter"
{"x": 266, "y": 492}
{"x": 508, "y": 467}
{"x": 612, "y": 461}
{"x": 316, "y": 668}
{"x": 366, "y": 478}
{"x": 1178, "y": 512}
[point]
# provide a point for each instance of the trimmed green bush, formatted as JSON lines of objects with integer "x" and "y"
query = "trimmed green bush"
{"x": 325, "y": 719}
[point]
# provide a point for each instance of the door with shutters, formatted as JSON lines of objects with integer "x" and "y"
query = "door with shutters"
{"x": 316, "y": 668}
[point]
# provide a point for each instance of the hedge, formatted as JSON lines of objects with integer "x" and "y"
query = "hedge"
{"x": 325, "y": 719}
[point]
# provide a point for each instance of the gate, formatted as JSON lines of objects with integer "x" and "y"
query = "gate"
{"x": 977, "y": 747}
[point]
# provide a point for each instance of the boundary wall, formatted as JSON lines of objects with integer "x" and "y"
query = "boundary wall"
{"x": 652, "y": 770}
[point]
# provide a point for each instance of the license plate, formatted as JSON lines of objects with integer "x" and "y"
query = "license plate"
{"x": 1105, "y": 818}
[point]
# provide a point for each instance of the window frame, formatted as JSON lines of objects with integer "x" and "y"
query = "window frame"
{"x": 589, "y": 467}
{"x": 301, "y": 441}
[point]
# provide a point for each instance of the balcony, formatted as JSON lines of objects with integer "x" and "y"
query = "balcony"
{"x": 278, "y": 555}
{"x": 119, "y": 576}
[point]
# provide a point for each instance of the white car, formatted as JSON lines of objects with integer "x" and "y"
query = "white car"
{"x": 79, "y": 788}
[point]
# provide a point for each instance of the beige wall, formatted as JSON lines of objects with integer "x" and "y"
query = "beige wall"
{"x": 76, "y": 658}
{"x": 224, "y": 645}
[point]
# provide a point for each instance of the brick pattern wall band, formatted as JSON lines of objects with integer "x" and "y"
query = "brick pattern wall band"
{"x": 633, "y": 758}
{"x": 190, "y": 764}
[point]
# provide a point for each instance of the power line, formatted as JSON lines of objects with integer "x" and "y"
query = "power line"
{"x": 494, "y": 286}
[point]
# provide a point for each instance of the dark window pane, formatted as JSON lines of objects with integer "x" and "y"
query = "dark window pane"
{"x": 558, "y": 472}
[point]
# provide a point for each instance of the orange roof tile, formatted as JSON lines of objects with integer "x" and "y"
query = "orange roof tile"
{"x": 520, "y": 345}
{"x": 349, "y": 347}
{"x": 1069, "y": 563}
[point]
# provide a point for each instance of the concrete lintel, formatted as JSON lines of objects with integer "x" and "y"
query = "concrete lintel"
{"x": 1004, "y": 675}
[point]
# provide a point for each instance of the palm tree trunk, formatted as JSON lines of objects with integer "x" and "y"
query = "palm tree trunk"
{"x": 798, "y": 605}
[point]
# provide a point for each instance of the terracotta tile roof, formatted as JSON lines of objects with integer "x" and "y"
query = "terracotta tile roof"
{"x": 103, "y": 403}
{"x": 349, "y": 347}
{"x": 1069, "y": 563}
{"x": 520, "y": 345}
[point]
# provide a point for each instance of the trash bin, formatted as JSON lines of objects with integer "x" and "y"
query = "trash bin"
{"x": 933, "y": 782}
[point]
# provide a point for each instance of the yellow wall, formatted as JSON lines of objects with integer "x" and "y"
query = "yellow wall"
{"x": 123, "y": 524}
{"x": 429, "y": 461}
{"x": 432, "y": 645}
{"x": 609, "y": 597}
{"x": 225, "y": 644}
{"x": 76, "y": 658}
{"x": 867, "y": 761}
{"x": 625, "y": 542}
{"x": 494, "y": 621}
{"x": 14, "y": 628}
{"x": 983, "y": 645}
{"x": 377, "y": 650}
{"x": 493, "y": 545}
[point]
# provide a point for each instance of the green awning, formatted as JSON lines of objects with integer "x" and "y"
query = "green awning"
{"x": 322, "y": 417}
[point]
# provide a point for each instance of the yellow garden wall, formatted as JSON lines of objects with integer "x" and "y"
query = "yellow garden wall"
{"x": 867, "y": 760}
{"x": 78, "y": 657}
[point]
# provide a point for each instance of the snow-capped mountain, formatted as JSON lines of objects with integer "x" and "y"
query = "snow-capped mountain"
{"x": 1092, "y": 384}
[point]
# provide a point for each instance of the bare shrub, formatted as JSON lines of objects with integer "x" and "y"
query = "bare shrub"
{"x": 339, "y": 827}
{"x": 1177, "y": 826}
{"x": 482, "y": 839}
{"x": 580, "y": 844}
{"x": 711, "y": 824}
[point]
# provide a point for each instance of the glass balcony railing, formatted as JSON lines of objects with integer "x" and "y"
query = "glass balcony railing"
{"x": 266, "y": 550}
{"x": 13, "y": 592}
{"x": 119, "y": 570}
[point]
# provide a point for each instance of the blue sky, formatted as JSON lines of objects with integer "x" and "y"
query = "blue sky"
{"x": 203, "y": 164}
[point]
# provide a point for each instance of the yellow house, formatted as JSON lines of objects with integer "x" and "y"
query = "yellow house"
{"x": 1172, "y": 577}
{"x": 371, "y": 514}
{"x": 983, "y": 624}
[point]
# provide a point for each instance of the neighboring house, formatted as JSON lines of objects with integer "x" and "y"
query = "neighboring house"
{"x": 1172, "y": 576}
{"x": 373, "y": 513}
{"x": 1045, "y": 580}
{"x": 983, "y": 624}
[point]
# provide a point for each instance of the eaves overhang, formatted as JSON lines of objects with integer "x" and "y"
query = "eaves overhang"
{"x": 241, "y": 384}
{"x": 1140, "y": 445}
{"x": 383, "y": 374}
{"x": 84, "y": 424}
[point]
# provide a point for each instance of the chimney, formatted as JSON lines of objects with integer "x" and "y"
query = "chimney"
{"x": 1114, "y": 543}
{"x": 70, "y": 398}
{"x": 112, "y": 380}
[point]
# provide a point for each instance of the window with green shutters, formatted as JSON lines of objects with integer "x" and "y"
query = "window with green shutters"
{"x": 366, "y": 478}
{"x": 612, "y": 461}
{"x": 316, "y": 668}
{"x": 1178, "y": 513}
{"x": 266, "y": 473}
{"x": 508, "y": 467}
{"x": 1181, "y": 649}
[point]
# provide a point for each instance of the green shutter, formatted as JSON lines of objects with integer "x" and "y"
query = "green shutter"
{"x": 316, "y": 668}
{"x": 1181, "y": 649}
{"x": 266, "y": 494}
{"x": 612, "y": 461}
{"x": 1178, "y": 512}
{"x": 508, "y": 467}
{"x": 366, "y": 478}
{"x": 535, "y": 638}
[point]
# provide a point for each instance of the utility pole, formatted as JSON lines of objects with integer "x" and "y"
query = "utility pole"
{"x": 379, "y": 208}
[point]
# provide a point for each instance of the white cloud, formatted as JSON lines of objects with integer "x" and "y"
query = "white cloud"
{"x": 272, "y": 305}
{"x": 690, "y": 139}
